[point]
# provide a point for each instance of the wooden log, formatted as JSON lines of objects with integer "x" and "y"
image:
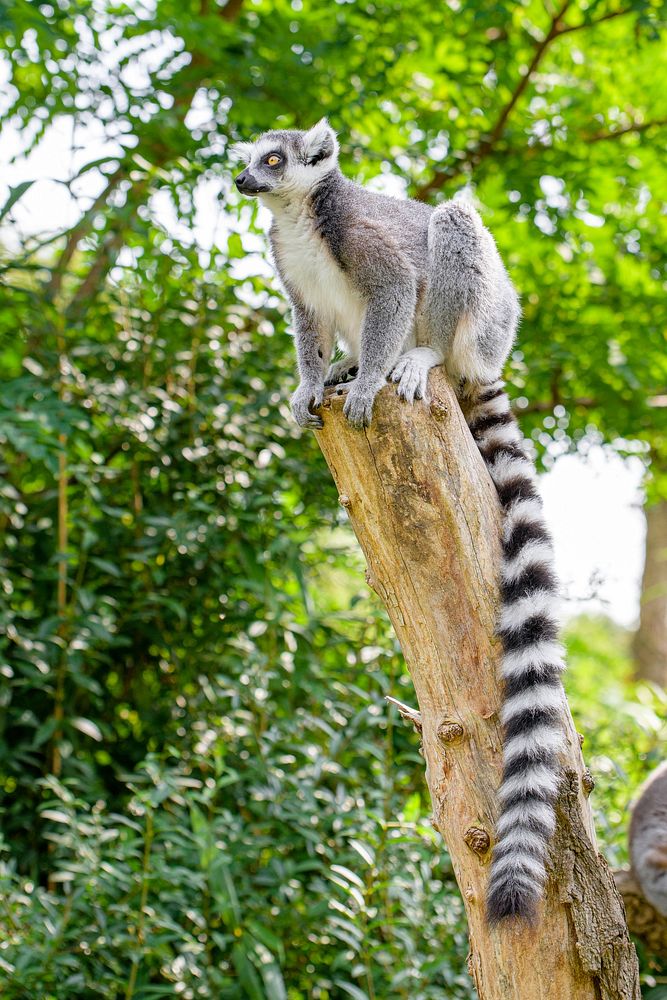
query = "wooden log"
{"x": 427, "y": 517}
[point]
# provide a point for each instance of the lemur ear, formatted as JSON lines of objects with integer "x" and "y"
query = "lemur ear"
{"x": 320, "y": 142}
{"x": 241, "y": 151}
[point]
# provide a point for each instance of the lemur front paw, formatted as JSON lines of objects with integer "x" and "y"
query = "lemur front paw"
{"x": 341, "y": 370}
{"x": 358, "y": 406}
{"x": 305, "y": 399}
{"x": 412, "y": 378}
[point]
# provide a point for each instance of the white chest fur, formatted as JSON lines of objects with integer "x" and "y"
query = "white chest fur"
{"x": 309, "y": 267}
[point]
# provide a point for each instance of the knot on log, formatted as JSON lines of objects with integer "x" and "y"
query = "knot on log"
{"x": 477, "y": 840}
{"x": 438, "y": 408}
{"x": 450, "y": 732}
{"x": 344, "y": 500}
{"x": 587, "y": 781}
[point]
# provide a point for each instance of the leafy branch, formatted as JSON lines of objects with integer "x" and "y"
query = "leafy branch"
{"x": 487, "y": 144}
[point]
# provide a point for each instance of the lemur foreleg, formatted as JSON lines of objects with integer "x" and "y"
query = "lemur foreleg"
{"x": 387, "y": 326}
{"x": 313, "y": 349}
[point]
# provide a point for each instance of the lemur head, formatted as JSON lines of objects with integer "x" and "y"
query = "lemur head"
{"x": 285, "y": 163}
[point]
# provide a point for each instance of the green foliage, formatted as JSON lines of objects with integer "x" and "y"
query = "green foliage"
{"x": 281, "y": 846}
{"x": 202, "y": 790}
{"x": 183, "y": 889}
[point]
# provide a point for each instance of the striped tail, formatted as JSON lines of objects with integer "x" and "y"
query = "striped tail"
{"x": 531, "y": 666}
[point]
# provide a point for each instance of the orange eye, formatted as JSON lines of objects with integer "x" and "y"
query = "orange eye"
{"x": 273, "y": 160}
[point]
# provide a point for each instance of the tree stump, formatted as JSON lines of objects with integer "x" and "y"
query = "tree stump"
{"x": 427, "y": 517}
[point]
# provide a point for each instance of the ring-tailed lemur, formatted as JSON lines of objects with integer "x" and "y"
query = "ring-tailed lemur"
{"x": 406, "y": 287}
{"x": 648, "y": 839}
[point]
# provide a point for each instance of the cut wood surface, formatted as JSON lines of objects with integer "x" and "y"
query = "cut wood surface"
{"x": 427, "y": 517}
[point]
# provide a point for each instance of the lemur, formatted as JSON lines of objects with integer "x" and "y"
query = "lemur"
{"x": 648, "y": 839}
{"x": 405, "y": 287}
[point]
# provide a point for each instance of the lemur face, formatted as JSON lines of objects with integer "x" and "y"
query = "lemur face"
{"x": 286, "y": 163}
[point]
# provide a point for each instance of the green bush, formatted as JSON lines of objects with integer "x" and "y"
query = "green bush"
{"x": 280, "y": 845}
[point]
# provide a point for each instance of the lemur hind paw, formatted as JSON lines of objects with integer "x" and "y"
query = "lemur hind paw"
{"x": 412, "y": 378}
{"x": 341, "y": 370}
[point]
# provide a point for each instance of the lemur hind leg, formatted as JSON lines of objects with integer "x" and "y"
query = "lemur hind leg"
{"x": 411, "y": 371}
{"x": 471, "y": 309}
{"x": 452, "y": 288}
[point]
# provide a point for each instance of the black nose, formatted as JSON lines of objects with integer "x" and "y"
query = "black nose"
{"x": 247, "y": 184}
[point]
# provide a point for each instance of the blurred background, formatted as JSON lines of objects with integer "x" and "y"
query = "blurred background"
{"x": 203, "y": 791}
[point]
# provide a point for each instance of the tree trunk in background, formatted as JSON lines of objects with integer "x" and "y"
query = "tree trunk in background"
{"x": 650, "y": 646}
{"x": 643, "y": 920}
{"x": 427, "y": 517}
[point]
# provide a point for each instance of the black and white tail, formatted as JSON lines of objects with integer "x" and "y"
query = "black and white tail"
{"x": 531, "y": 666}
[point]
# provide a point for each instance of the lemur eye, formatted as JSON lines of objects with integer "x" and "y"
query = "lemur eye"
{"x": 273, "y": 160}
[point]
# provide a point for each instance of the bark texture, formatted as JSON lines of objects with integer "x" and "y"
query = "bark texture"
{"x": 651, "y": 638}
{"x": 426, "y": 515}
